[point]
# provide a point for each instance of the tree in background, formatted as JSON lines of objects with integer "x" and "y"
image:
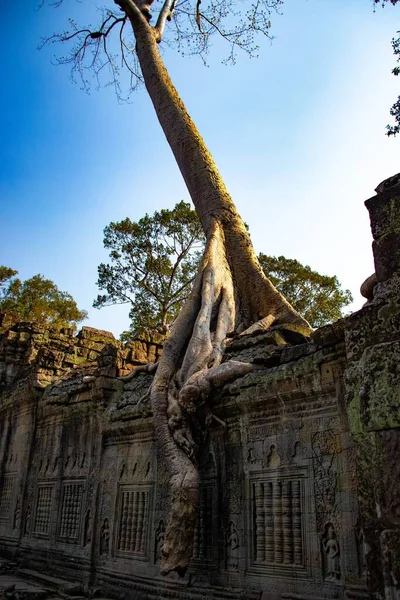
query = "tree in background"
{"x": 37, "y": 300}
{"x": 154, "y": 263}
{"x": 230, "y": 294}
{"x": 153, "y": 266}
{"x": 395, "y": 110}
{"x": 319, "y": 298}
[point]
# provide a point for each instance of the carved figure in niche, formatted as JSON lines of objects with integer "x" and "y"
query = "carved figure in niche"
{"x": 86, "y": 530}
{"x": 273, "y": 458}
{"x": 28, "y": 518}
{"x": 332, "y": 553}
{"x": 159, "y": 542}
{"x": 105, "y": 537}
{"x": 232, "y": 547}
{"x": 250, "y": 456}
{"x": 362, "y": 564}
{"x": 17, "y": 516}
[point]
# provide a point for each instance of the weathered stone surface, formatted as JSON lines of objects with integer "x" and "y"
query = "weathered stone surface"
{"x": 83, "y": 483}
{"x": 384, "y": 210}
{"x": 300, "y": 494}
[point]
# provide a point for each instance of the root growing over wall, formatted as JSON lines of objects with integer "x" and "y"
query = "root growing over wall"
{"x": 190, "y": 367}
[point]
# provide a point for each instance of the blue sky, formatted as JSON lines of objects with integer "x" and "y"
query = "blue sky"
{"x": 298, "y": 134}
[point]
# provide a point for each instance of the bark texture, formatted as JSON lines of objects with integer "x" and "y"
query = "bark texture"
{"x": 231, "y": 295}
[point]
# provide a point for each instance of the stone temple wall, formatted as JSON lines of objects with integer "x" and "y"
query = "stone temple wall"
{"x": 299, "y": 491}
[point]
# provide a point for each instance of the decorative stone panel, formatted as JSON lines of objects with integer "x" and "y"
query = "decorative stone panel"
{"x": 71, "y": 511}
{"x": 6, "y": 497}
{"x": 133, "y": 520}
{"x": 278, "y": 512}
{"x": 44, "y": 500}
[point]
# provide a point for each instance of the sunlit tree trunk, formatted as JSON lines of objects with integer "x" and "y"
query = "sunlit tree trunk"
{"x": 230, "y": 294}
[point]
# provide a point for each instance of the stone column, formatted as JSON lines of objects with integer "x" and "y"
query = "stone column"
{"x": 372, "y": 381}
{"x": 384, "y": 212}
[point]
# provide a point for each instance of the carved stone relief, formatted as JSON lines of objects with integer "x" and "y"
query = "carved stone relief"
{"x": 325, "y": 448}
{"x": 87, "y": 528}
{"x": 6, "y": 497}
{"x": 277, "y": 522}
{"x": 17, "y": 516}
{"x": 159, "y": 541}
{"x": 132, "y": 520}
{"x": 71, "y": 511}
{"x": 232, "y": 547}
{"x": 105, "y": 537}
{"x": 331, "y": 554}
{"x": 43, "y": 510}
{"x": 272, "y": 460}
{"x": 28, "y": 519}
{"x": 360, "y": 545}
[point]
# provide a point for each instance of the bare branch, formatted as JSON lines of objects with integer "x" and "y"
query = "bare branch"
{"x": 165, "y": 14}
{"x": 198, "y": 22}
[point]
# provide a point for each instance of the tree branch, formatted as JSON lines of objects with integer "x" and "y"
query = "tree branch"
{"x": 164, "y": 15}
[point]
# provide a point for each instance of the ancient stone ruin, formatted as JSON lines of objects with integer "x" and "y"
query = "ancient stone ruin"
{"x": 300, "y": 493}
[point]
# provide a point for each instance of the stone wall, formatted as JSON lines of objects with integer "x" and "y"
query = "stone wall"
{"x": 299, "y": 490}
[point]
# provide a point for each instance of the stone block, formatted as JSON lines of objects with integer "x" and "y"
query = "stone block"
{"x": 384, "y": 213}
{"x": 387, "y": 256}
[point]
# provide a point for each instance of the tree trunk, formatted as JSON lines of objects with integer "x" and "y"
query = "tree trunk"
{"x": 230, "y": 294}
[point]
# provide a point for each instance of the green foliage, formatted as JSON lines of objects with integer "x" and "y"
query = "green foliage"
{"x": 318, "y": 298}
{"x": 395, "y": 110}
{"x": 153, "y": 264}
{"x": 37, "y": 300}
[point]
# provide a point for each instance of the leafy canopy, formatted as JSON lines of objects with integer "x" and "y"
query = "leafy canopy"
{"x": 318, "y": 298}
{"x": 154, "y": 262}
{"x": 152, "y": 266}
{"x": 37, "y": 300}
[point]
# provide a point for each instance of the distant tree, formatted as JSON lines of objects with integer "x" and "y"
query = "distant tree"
{"x": 395, "y": 110}
{"x": 153, "y": 265}
{"x": 37, "y": 300}
{"x": 319, "y": 298}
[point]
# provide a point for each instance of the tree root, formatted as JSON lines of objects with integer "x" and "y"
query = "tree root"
{"x": 190, "y": 369}
{"x": 147, "y": 368}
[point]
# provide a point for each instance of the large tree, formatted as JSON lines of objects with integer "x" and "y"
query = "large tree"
{"x": 230, "y": 292}
{"x": 37, "y": 300}
{"x": 152, "y": 267}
